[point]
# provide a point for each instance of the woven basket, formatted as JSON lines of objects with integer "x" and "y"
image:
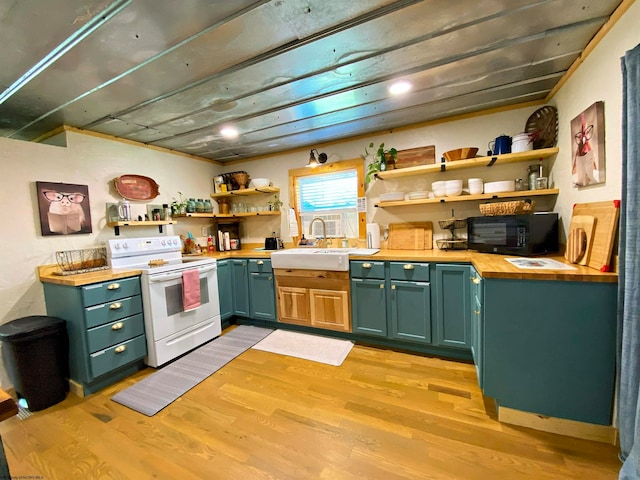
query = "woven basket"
{"x": 516, "y": 207}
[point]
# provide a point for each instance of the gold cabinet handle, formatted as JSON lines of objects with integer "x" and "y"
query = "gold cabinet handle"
{"x": 477, "y": 312}
{"x": 115, "y": 306}
{"x": 113, "y": 286}
{"x": 270, "y": 278}
{"x": 408, "y": 266}
{"x": 117, "y": 326}
{"x": 120, "y": 348}
{"x": 382, "y": 285}
{"x": 476, "y": 280}
{"x": 260, "y": 262}
{"x": 393, "y": 287}
{"x": 366, "y": 265}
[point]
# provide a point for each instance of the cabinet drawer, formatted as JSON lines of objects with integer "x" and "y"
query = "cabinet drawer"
{"x": 260, "y": 265}
{"x": 108, "y": 291}
{"x": 112, "y": 311}
{"x": 364, "y": 269}
{"x": 104, "y": 336}
{"x": 417, "y": 272}
{"x": 114, "y": 357}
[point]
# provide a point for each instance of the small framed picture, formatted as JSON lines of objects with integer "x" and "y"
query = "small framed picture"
{"x": 587, "y": 147}
{"x": 63, "y": 208}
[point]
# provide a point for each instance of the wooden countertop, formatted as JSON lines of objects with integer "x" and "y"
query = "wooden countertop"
{"x": 8, "y": 406}
{"x": 487, "y": 265}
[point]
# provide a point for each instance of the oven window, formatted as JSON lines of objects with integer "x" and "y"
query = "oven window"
{"x": 490, "y": 233}
{"x": 173, "y": 296}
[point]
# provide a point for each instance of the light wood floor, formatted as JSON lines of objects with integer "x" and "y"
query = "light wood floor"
{"x": 381, "y": 415}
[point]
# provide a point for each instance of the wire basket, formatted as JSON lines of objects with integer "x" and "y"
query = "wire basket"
{"x": 516, "y": 207}
{"x": 81, "y": 261}
{"x": 453, "y": 244}
{"x": 456, "y": 223}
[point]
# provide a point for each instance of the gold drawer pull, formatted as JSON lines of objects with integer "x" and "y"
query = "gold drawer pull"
{"x": 260, "y": 262}
{"x": 117, "y": 326}
{"x": 366, "y": 265}
{"x": 120, "y": 349}
{"x": 382, "y": 285}
{"x": 115, "y": 306}
{"x": 113, "y": 286}
{"x": 408, "y": 266}
{"x": 270, "y": 278}
{"x": 476, "y": 280}
{"x": 393, "y": 287}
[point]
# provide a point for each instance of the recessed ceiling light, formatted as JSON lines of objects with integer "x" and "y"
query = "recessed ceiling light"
{"x": 400, "y": 87}
{"x": 229, "y": 132}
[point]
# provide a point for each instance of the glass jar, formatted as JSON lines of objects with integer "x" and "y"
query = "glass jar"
{"x": 519, "y": 185}
{"x": 199, "y": 206}
{"x": 191, "y": 205}
{"x": 208, "y": 207}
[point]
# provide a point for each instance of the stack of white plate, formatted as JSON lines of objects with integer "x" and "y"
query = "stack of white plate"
{"x": 392, "y": 197}
{"x": 418, "y": 195}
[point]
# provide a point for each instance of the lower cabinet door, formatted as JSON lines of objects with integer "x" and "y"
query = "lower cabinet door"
{"x": 369, "y": 307}
{"x": 293, "y": 305}
{"x": 330, "y": 309}
{"x": 453, "y": 309}
{"x": 262, "y": 295}
{"x": 411, "y": 311}
{"x": 225, "y": 289}
{"x": 240, "y": 278}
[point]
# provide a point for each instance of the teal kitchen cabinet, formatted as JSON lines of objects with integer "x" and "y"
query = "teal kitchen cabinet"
{"x": 262, "y": 296}
{"x": 550, "y": 347}
{"x": 477, "y": 322}
{"x": 225, "y": 290}
{"x": 368, "y": 298}
{"x": 453, "y": 309}
{"x": 410, "y": 301}
{"x": 105, "y": 325}
{"x": 240, "y": 286}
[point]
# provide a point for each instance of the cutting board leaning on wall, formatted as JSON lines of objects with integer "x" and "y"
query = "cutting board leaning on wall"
{"x": 592, "y": 234}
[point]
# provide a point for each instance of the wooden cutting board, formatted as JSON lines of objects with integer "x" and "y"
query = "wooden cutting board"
{"x": 606, "y": 216}
{"x": 410, "y": 236}
{"x": 580, "y": 239}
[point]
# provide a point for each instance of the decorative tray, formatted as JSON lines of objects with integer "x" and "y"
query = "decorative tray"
{"x": 136, "y": 187}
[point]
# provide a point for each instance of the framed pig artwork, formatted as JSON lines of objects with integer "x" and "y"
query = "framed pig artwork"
{"x": 587, "y": 147}
{"x": 63, "y": 208}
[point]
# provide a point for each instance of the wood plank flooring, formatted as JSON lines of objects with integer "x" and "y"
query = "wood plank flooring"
{"x": 381, "y": 415}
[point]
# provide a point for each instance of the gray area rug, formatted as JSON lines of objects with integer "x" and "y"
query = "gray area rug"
{"x": 153, "y": 393}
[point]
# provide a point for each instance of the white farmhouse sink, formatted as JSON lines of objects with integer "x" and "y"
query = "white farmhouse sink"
{"x": 336, "y": 259}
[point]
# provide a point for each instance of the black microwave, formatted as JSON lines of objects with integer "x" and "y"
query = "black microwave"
{"x": 530, "y": 234}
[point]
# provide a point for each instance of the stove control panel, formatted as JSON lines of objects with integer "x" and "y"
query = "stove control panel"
{"x": 142, "y": 246}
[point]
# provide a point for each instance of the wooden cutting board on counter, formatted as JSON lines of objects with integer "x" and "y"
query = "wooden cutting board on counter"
{"x": 605, "y": 216}
{"x": 410, "y": 236}
{"x": 580, "y": 239}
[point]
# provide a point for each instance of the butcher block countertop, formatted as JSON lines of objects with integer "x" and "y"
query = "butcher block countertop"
{"x": 487, "y": 265}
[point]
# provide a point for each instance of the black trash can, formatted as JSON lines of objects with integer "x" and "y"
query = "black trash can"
{"x": 35, "y": 351}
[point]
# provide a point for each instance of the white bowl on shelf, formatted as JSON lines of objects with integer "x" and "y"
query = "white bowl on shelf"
{"x": 476, "y": 186}
{"x": 438, "y": 188}
{"x": 499, "y": 187}
{"x": 453, "y": 188}
{"x": 260, "y": 182}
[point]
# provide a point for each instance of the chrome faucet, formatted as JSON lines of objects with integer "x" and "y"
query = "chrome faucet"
{"x": 324, "y": 231}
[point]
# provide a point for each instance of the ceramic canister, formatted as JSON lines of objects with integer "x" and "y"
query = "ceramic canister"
{"x": 521, "y": 143}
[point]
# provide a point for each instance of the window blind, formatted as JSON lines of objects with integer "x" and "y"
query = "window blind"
{"x": 328, "y": 192}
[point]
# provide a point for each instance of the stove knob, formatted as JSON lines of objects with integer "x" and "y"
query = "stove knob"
{"x": 116, "y": 246}
{"x": 162, "y": 242}
{"x": 175, "y": 241}
{"x": 125, "y": 245}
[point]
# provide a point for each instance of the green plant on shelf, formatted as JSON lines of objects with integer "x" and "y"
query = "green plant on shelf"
{"x": 275, "y": 205}
{"x": 380, "y": 161}
{"x": 178, "y": 207}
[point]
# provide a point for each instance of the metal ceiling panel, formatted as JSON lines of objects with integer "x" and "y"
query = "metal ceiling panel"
{"x": 286, "y": 73}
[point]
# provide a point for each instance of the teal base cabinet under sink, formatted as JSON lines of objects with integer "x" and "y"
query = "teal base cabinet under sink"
{"x": 453, "y": 305}
{"x": 105, "y": 325}
{"x": 550, "y": 347}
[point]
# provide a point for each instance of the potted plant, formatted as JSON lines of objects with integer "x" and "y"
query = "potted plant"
{"x": 382, "y": 160}
{"x": 275, "y": 204}
{"x": 178, "y": 207}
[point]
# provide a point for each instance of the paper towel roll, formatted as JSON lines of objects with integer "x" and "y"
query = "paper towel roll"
{"x": 373, "y": 235}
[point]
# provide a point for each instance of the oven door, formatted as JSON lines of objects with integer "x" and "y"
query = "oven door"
{"x": 162, "y": 300}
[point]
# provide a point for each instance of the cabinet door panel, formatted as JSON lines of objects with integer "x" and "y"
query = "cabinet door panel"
{"x": 293, "y": 305}
{"x": 453, "y": 308}
{"x": 369, "y": 307}
{"x": 262, "y": 294}
{"x": 330, "y": 309}
{"x": 411, "y": 311}
{"x": 225, "y": 289}
{"x": 240, "y": 277}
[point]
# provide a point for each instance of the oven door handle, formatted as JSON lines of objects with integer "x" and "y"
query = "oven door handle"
{"x": 165, "y": 277}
